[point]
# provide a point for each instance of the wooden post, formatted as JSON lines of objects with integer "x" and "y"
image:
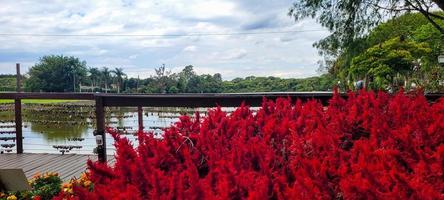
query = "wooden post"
{"x": 140, "y": 117}
{"x": 19, "y": 86}
{"x": 18, "y": 114}
{"x": 18, "y": 125}
{"x": 100, "y": 129}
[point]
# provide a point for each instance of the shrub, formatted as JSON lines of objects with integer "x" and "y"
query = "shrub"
{"x": 43, "y": 186}
{"x": 82, "y": 182}
{"x": 368, "y": 146}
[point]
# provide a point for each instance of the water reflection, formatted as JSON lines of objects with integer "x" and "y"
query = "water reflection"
{"x": 58, "y": 123}
{"x": 47, "y": 126}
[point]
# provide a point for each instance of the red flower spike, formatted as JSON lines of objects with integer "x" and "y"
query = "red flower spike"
{"x": 367, "y": 146}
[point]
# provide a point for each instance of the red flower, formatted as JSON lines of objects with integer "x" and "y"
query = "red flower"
{"x": 372, "y": 146}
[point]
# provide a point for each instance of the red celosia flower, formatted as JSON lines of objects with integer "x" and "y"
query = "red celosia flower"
{"x": 372, "y": 146}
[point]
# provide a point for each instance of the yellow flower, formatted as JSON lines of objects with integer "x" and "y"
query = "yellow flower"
{"x": 83, "y": 176}
{"x": 36, "y": 175}
{"x": 11, "y": 197}
{"x": 66, "y": 185}
{"x": 87, "y": 183}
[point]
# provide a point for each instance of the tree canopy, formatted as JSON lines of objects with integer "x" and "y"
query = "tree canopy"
{"x": 349, "y": 20}
{"x": 407, "y": 38}
{"x": 56, "y": 73}
{"x": 387, "y": 60}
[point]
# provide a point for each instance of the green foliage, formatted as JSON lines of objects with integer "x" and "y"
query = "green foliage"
{"x": 273, "y": 84}
{"x": 349, "y": 20}
{"x": 385, "y": 61}
{"x": 187, "y": 81}
{"x": 119, "y": 75}
{"x": 46, "y": 186}
{"x": 43, "y": 186}
{"x": 415, "y": 29}
{"x": 356, "y": 26}
{"x": 7, "y": 83}
{"x": 56, "y": 73}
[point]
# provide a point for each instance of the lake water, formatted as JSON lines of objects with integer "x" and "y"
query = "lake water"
{"x": 47, "y": 126}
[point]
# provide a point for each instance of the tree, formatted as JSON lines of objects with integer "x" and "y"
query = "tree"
{"x": 395, "y": 58}
{"x": 414, "y": 27}
{"x": 118, "y": 72}
{"x": 162, "y": 81}
{"x": 94, "y": 76}
{"x": 184, "y": 77}
{"x": 106, "y": 77}
{"x": 350, "y": 19}
{"x": 56, "y": 73}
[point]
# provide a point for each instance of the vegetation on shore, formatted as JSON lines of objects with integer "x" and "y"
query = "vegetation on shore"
{"x": 39, "y": 101}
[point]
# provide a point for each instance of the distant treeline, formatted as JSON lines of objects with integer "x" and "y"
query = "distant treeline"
{"x": 58, "y": 73}
{"x": 187, "y": 81}
{"x": 8, "y": 82}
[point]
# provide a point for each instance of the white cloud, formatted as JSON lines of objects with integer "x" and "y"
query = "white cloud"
{"x": 231, "y": 54}
{"x": 286, "y": 55}
{"x": 134, "y": 56}
{"x": 190, "y": 48}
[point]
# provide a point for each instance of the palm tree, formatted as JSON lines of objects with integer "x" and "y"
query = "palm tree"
{"x": 106, "y": 75}
{"x": 119, "y": 77}
{"x": 94, "y": 75}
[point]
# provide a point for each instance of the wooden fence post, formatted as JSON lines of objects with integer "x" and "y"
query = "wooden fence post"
{"x": 140, "y": 117}
{"x": 18, "y": 114}
{"x": 100, "y": 129}
{"x": 18, "y": 125}
{"x": 18, "y": 78}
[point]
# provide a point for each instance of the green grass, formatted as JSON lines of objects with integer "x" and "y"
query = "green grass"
{"x": 39, "y": 101}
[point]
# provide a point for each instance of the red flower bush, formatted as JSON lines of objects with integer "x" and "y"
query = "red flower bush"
{"x": 368, "y": 146}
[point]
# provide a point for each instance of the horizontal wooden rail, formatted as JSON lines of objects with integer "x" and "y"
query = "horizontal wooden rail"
{"x": 204, "y": 100}
{"x": 48, "y": 95}
{"x": 184, "y": 100}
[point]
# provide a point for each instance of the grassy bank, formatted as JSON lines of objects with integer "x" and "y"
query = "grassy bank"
{"x": 40, "y": 101}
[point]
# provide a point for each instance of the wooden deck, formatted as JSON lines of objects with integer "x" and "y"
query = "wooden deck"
{"x": 68, "y": 165}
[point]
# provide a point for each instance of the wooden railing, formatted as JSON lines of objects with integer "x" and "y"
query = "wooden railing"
{"x": 157, "y": 100}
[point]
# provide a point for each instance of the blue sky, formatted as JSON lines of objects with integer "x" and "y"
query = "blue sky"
{"x": 283, "y": 55}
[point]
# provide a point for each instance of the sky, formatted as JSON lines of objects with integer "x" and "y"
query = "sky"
{"x": 170, "y": 32}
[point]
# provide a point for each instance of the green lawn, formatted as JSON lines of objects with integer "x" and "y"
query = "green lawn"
{"x": 44, "y": 101}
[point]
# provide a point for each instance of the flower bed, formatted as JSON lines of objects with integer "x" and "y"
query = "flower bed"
{"x": 43, "y": 186}
{"x": 371, "y": 146}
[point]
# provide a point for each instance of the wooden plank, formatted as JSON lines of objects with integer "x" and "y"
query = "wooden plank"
{"x": 78, "y": 162}
{"x": 76, "y": 168}
{"x": 68, "y": 165}
{"x": 58, "y": 163}
{"x": 22, "y": 160}
{"x": 10, "y": 159}
{"x": 38, "y": 161}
